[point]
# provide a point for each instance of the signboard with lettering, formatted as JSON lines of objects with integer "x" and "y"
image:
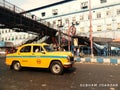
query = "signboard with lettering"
{"x": 75, "y": 41}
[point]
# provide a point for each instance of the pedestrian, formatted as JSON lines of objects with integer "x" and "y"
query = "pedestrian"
{"x": 105, "y": 50}
{"x": 78, "y": 52}
{"x": 37, "y": 50}
{"x": 74, "y": 51}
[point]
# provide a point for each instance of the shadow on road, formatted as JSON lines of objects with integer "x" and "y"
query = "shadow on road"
{"x": 44, "y": 70}
{"x": 70, "y": 70}
{"x": 30, "y": 69}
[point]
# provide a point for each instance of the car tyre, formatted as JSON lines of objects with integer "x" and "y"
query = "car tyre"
{"x": 16, "y": 66}
{"x": 56, "y": 68}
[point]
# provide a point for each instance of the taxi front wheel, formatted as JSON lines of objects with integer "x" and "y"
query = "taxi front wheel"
{"x": 16, "y": 66}
{"x": 56, "y": 68}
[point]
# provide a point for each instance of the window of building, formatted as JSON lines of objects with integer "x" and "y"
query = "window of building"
{"x": 99, "y": 28}
{"x": 108, "y": 13}
{"x": 84, "y": 5}
{"x": 60, "y": 23}
{"x": 5, "y": 31}
{"x": 55, "y": 11}
{"x": 66, "y": 20}
{"x": 2, "y": 39}
{"x": 43, "y": 14}
{"x": 8, "y": 30}
{"x": 81, "y": 18}
{"x": 9, "y": 38}
{"x": 11, "y": 30}
{"x": 2, "y": 31}
{"x": 118, "y": 26}
{"x": 5, "y": 38}
{"x": 77, "y": 22}
{"x": 88, "y": 29}
{"x": 103, "y": 1}
{"x": 16, "y": 37}
{"x": 12, "y": 38}
{"x": 109, "y": 27}
{"x": 54, "y": 22}
{"x": 82, "y": 29}
{"x": 88, "y": 16}
{"x": 73, "y": 20}
{"x": 118, "y": 11}
{"x": 24, "y": 36}
{"x": 20, "y": 37}
{"x": 98, "y": 15}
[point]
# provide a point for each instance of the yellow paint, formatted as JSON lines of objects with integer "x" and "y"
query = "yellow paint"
{"x": 39, "y": 59}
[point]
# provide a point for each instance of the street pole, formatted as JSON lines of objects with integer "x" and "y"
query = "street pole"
{"x": 59, "y": 38}
{"x": 68, "y": 36}
{"x": 91, "y": 40}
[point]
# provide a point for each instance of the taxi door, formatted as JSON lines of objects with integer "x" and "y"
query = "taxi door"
{"x": 24, "y": 55}
{"x": 38, "y": 61}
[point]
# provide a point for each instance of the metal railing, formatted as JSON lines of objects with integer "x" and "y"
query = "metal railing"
{"x": 18, "y": 10}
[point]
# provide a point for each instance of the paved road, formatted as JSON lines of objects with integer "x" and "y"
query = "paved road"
{"x": 84, "y": 76}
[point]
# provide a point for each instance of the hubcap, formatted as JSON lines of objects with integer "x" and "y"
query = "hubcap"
{"x": 56, "y": 68}
{"x": 17, "y": 66}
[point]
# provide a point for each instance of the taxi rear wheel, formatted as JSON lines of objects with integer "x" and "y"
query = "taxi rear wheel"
{"x": 16, "y": 66}
{"x": 56, "y": 68}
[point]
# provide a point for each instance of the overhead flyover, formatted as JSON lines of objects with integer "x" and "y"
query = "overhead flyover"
{"x": 11, "y": 18}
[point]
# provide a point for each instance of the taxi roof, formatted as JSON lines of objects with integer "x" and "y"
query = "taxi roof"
{"x": 32, "y": 44}
{"x": 36, "y": 44}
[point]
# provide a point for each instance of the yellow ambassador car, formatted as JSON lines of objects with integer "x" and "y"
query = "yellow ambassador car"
{"x": 40, "y": 56}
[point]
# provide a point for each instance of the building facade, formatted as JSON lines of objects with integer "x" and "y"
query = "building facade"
{"x": 17, "y": 38}
{"x": 105, "y": 17}
{"x": 105, "y": 20}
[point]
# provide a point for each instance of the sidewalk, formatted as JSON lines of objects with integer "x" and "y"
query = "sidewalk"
{"x": 99, "y": 59}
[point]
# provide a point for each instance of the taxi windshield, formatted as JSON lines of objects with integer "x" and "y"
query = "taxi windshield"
{"x": 48, "y": 48}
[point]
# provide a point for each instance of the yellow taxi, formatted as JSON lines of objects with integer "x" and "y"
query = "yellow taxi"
{"x": 40, "y": 56}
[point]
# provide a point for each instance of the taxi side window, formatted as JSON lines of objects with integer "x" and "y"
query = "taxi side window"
{"x": 26, "y": 49}
{"x": 37, "y": 49}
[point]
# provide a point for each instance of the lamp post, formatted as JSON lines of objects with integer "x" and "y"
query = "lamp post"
{"x": 90, "y": 36}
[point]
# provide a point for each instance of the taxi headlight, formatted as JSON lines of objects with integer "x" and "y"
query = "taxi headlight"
{"x": 68, "y": 58}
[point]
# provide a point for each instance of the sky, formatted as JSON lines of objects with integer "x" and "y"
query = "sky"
{"x": 31, "y": 4}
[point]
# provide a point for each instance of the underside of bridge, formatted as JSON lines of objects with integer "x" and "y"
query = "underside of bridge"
{"x": 21, "y": 23}
{"x": 12, "y": 20}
